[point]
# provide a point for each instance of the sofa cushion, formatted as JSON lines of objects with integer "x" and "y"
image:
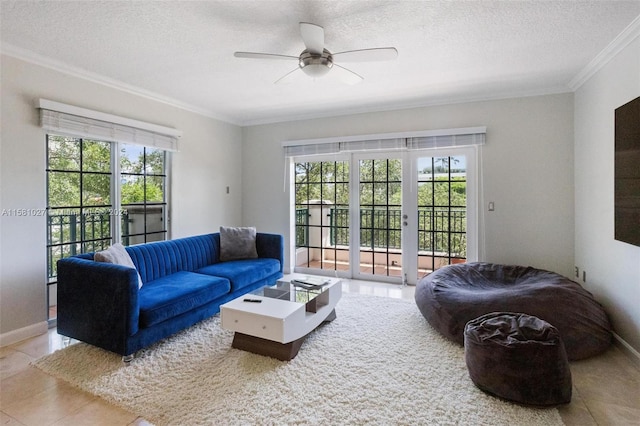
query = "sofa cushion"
{"x": 242, "y": 273}
{"x": 237, "y": 243}
{"x": 175, "y": 294}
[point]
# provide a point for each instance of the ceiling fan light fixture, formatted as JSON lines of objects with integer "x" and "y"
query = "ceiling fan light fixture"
{"x": 315, "y": 65}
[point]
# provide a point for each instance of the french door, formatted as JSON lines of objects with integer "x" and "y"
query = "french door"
{"x": 391, "y": 217}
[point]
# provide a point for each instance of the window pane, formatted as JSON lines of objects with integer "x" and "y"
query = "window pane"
{"x": 155, "y": 219}
{"x": 342, "y": 171}
{"x": 96, "y": 226}
{"x": 342, "y": 194}
{"x": 328, "y": 172}
{"x": 63, "y": 153}
{"x": 394, "y": 168}
{"x": 154, "y": 161}
{"x": 329, "y": 192}
{"x": 132, "y": 189}
{"x": 395, "y": 193}
{"x": 366, "y": 194}
{"x": 155, "y": 189}
{"x": 425, "y": 194}
{"x": 380, "y": 194}
{"x": 302, "y": 194}
{"x": 133, "y": 222}
{"x": 96, "y": 156}
{"x": 131, "y": 159}
{"x": 442, "y": 193}
{"x": 96, "y": 190}
{"x": 313, "y": 172}
{"x": 301, "y": 172}
{"x": 63, "y": 189}
{"x": 425, "y": 169}
{"x": 63, "y": 226}
{"x": 441, "y": 164}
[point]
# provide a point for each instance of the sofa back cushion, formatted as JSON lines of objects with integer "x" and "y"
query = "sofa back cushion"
{"x": 158, "y": 259}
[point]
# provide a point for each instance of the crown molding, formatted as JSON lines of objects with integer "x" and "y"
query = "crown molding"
{"x": 389, "y": 107}
{"x": 608, "y": 53}
{"x": 43, "y": 61}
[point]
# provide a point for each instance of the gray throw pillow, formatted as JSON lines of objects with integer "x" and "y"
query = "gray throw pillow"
{"x": 117, "y": 254}
{"x": 237, "y": 243}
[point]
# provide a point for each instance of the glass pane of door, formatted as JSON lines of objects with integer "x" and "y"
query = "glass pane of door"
{"x": 442, "y": 212}
{"x": 322, "y": 216}
{"x": 380, "y": 227}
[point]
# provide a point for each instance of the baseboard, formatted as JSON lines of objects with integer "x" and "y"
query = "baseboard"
{"x": 24, "y": 333}
{"x": 633, "y": 355}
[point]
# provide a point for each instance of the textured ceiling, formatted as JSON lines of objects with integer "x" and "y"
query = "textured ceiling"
{"x": 449, "y": 51}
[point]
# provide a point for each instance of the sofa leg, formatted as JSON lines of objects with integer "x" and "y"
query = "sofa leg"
{"x": 127, "y": 359}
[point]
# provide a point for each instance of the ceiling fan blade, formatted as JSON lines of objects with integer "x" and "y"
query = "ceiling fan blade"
{"x": 313, "y": 37}
{"x": 253, "y": 55}
{"x": 366, "y": 55}
{"x": 345, "y": 75}
{"x": 288, "y": 77}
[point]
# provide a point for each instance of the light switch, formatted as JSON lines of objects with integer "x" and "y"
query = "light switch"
{"x": 492, "y": 206}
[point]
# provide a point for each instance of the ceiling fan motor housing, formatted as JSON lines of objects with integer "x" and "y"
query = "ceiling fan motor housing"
{"x": 314, "y": 64}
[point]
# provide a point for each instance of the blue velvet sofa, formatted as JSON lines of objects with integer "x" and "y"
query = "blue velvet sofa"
{"x": 183, "y": 280}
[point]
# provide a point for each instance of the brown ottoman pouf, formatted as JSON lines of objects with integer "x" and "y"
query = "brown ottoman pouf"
{"x": 517, "y": 357}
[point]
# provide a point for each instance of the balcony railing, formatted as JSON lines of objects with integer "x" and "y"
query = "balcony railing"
{"x": 442, "y": 229}
{"x": 70, "y": 234}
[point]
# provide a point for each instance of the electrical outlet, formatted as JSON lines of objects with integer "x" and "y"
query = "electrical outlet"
{"x": 577, "y": 272}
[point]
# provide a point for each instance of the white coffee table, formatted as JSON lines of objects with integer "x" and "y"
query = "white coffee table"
{"x": 274, "y": 320}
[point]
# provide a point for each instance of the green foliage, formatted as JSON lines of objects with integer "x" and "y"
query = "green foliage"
{"x": 68, "y": 157}
{"x": 134, "y": 192}
{"x": 327, "y": 181}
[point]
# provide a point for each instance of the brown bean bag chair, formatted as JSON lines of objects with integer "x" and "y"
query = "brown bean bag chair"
{"x": 454, "y": 295}
{"x": 518, "y": 357}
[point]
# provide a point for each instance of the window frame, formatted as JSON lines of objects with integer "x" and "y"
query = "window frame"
{"x": 114, "y": 209}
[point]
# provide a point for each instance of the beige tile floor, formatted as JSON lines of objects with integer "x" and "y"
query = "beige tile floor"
{"x": 606, "y": 389}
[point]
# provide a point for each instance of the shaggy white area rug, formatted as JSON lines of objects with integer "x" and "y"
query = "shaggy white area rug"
{"x": 379, "y": 362}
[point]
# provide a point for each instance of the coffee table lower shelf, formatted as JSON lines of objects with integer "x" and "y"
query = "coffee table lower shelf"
{"x": 266, "y": 347}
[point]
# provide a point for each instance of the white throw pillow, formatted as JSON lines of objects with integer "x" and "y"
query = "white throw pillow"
{"x": 237, "y": 243}
{"x": 117, "y": 255}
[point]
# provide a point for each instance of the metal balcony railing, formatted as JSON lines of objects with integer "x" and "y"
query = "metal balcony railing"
{"x": 70, "y": 234}
{"x": 441, "y": 229}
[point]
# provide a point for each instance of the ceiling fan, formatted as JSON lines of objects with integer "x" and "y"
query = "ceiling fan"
{"x": 316, "y": 61}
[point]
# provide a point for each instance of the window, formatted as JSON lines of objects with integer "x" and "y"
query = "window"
{"x": 84, "y": 212}
{"x": 142, "y": 194}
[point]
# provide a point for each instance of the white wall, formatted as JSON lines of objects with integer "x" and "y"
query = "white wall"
{"x": 527, "y": 162}
{"x": 612, "y": 267}
{"x": 209, "y": 160}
